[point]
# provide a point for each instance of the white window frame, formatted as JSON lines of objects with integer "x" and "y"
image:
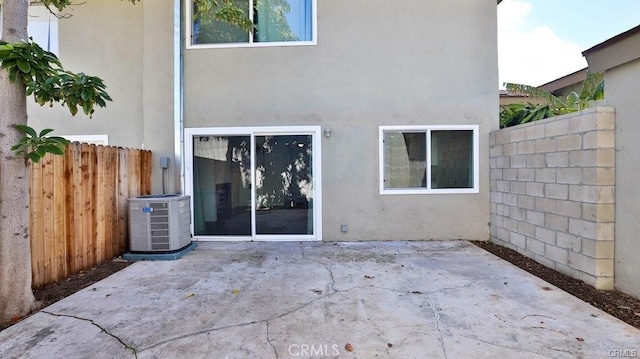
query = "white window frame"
{"x": 90, "y": 139}
{"x": 189, "y": 33}
{"x": 427, "y": 130}
{"x": 315, "y": 131}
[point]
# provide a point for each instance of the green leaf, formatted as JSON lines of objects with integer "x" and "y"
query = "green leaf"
{"x": 26, "y": 130}
{"x": 45, "y": 132}
{"x": 24, "y": 66}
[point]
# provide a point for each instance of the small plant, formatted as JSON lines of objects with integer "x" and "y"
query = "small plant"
{"x": 33, "y": 146}
{"x": 592, "y": 89}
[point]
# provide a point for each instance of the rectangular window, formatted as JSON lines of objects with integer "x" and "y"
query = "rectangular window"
{"x": 275, "y": 23}
{"x": 42, "y": 27}
{"x": 428, "y": 159}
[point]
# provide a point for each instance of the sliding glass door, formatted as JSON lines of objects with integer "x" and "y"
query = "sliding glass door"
{"x": 254, "y": 183}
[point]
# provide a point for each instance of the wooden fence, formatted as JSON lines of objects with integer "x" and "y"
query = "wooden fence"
{"x": 79, "y": 210}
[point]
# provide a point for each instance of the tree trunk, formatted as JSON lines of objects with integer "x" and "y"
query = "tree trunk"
{"x": 16, "y": 296}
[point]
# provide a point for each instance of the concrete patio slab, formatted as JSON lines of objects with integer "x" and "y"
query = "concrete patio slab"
{"x": 309, "y": 300}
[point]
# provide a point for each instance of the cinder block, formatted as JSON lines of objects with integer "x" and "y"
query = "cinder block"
{"x": 557, "y": 223}
{"x": 557, "y": 159}
{"x": 605, "y": 213}
{"x": 556, "y": 254}
{"x": 598, "y": 249}
{"x": 586, "y": 158}
{"x": 517, "y": 187}
{"x": 502, "y": 186}
{"x": 542, "y": 259}
{"x": 526, "y": 202}
{"x": 496, "y": 220}
{"x": 526, "y": 147}
{"x": 526, "y": 229}
{"x": 495, "y": 151}
{"x": 535, "y": 218}
{"x": 570, "y": 175}
{"x": 606, "y": 176}
{"x": 535, "y": 189}
{"x": 516, "y": 134}
{"x": 493, "y": 163}
{"x": 546, "y": 235}
{"x": 606, "y": 120}
{"x": 605, "y": 231}
{"x": 501, "y": 137}
{"x": 526, "y": 174}
{"x": 509, "y": 174}
{"x": 606, "y": 158}
{"x": 496, "y": 197}
{"x": 546, "y": 204}
{"x": 556, "y": 128}
{"x": 604, "y": 283}
{"x": 510, "y": 149}
{"x": 536, "y": 160}
{"x": 569, "y": 209}
{"x": 557, "y": 191}
{"x": 570, "y": 142}
{"x": 582, "y": 193}
{"x": 510, "y": 199}
{"x": 518, "y": 161}
{"x": 582, "y": 228}
{"x": 606, "y": 194}
{"x": 502, "y": 234}
{"x": 604, "y": 268}
{"x": 495, "y": 173}
{"x": 569, "y": 241}
{"x": 492, "y": 138}
{"x": 534, "y": 132}
{"x": 583, "y": 123}
{"x": 546, "y": 175}
{"x": 518, "y": 240}
{"x": 518, "y": 213}
{"x": 546, "y": 144}
{"x": 510, "y": 224}
{"x": 503, "y": 161}
{"x": 535, "y": 246}
{"x": 582, "y": 263}
{"x": 566, "y": 270}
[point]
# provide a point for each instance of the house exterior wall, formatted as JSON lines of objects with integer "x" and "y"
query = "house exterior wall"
{"x": 622, "y": 87}
{"x": 553, "y": 193}
{"x": 426, "y": 62}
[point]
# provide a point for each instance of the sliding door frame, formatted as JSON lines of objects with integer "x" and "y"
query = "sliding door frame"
{"x": 314, "y": 131}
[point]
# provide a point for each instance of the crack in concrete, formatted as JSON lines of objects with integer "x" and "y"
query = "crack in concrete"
{"x": 518, "y": 350}
{"x": 275, "y": 350}
{"x": 129, "y": 347}
{"x": 267, "y": 320}
{"x": 436, "y": 318}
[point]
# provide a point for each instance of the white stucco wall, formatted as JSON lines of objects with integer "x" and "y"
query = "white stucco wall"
{"x": 376, "y": 63}
{"x": 622, "y": 88}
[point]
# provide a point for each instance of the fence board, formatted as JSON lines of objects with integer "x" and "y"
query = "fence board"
{"x": 79, "y": 207}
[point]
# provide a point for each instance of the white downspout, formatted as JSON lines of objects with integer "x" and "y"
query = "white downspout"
{"x": 178, "y": 92}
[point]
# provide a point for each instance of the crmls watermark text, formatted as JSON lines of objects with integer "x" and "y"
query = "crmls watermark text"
{"x": 623, "y": 353}
{"x": 309, "y": 350}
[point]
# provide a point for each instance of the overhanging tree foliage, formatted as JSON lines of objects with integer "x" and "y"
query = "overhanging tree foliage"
{"x": 592, "y": 89}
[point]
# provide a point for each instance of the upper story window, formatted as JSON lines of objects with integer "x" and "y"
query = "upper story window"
{"x": 275, "y": 23}
{"x": 428, "y": 159}
{"x": 42, "y": 27}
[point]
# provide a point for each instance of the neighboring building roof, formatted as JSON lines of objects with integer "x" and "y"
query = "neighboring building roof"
{"x": 565, "y": 81}
{"x": 615, "y": 51}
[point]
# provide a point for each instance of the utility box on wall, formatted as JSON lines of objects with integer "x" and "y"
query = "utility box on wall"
{"x": 159, "y": 223}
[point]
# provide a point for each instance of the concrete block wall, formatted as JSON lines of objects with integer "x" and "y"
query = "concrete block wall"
{"x": 553, "y": 193}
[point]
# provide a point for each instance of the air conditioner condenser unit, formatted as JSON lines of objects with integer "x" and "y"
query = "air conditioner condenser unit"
{"x": 159, "y": 223}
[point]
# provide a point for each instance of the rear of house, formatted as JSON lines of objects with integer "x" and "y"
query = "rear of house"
{"x": 334, "y": 120}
